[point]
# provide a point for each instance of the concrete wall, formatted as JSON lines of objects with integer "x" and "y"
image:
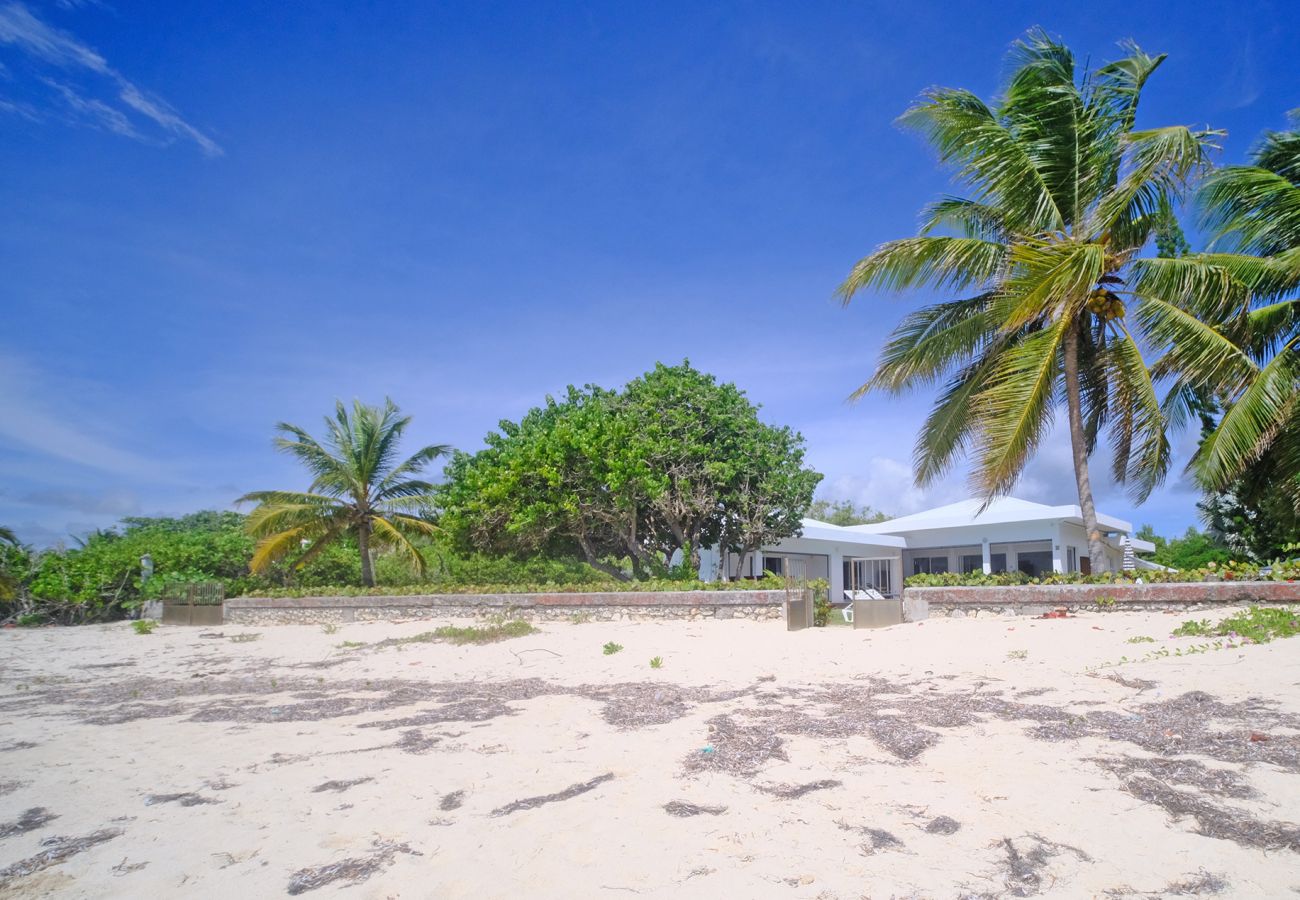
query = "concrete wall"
{"x": 598, "y": 606}
{"x": 1034, "y": 599}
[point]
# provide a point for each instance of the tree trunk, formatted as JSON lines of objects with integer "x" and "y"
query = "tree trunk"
{"x": 1078, "y": 446}
{"x": 363, "y": 543}
{"x": 589, "y": 553}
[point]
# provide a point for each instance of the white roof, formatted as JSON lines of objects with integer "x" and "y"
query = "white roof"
{"x": 1003, "y": 509}
{"x": 824, "y": 531}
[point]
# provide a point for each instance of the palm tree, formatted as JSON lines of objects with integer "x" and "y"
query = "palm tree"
{"x": 1254, "y": 213}
{"x": 357, "y": 489}
{"x": 7, "y": 536}
{"x": 1053, "y": 301}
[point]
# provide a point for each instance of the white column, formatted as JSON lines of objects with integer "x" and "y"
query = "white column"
{"x": 757, "y": 556}
{"x": 1058, "y": 548}
{"x": 836, "y": 575}
{"x": 897, "y": 579}
{"x": 988, "y": 556}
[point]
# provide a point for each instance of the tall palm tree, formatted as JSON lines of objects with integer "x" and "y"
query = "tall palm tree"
{"x": 7, "y": 536}
{"x": 1043, "y": 256}
{"x": 1254, "y": 213}
{"x": 359, "y": 488}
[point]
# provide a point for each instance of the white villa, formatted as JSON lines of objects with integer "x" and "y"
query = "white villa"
{"x": 1008, "y": 534}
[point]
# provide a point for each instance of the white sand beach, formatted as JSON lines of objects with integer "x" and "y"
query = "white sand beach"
{"x": 992, "y": 757}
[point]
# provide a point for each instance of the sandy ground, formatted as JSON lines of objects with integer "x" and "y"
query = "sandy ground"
{"x": 973, "y": 758}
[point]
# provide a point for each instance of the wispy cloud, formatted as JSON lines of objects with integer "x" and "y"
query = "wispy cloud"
{"x": 21, "y": 29}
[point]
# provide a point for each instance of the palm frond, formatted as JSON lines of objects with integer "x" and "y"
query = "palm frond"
{"x": 390, "y": 535}
{"x": 929, "y": 342}
{"x": 937, "y": 262}
{"x": 1138, "y": 426}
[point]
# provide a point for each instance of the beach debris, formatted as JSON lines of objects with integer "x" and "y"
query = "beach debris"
{"x": 1184, "y": 773}
{"x": 1060, "y": 612}
{"x": 413, "y": 740}
{"x": 453, "y": 800}
{"x": 8, "y": 787}
{"x": 1216, "y": 820}
{"x": 568, "y": 793}
{"x": 339, "y": 786}
{"x": 943, "y": 825}
{"x": 36, "y": 817}
{"x": 794, "y": 791}
{"x": 1201, "y": 883}
{"x": 354, "y": 870}
{"x": 1024, "y": 868}
{"x": 683, "y": 810}
{"x": 56, "y": 850}
{"x": 125, "y": 868}
{"x": 738, "y": 749}
{"x": 189, "y": 798}
{"x": 1138, "y": 684}
{"x": 17, "y": 745}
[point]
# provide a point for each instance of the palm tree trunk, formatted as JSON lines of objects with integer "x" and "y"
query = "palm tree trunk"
{"x": 1079, "y": 449}
{"x": 363, "y": 543}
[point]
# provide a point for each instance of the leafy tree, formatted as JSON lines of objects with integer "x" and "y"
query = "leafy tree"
{"x": 674, "y": 462}
{"x": 1250, "y": 296}
{"x": 358, "y": 489}
{"x": 1053, "y": 299}
{"x": 845, "y": 512}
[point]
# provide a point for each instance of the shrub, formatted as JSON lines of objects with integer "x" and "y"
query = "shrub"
{"x": 484, "y": 634}
{"x": 611, "y": 648}
{"x": 1258, "y": 625}
{"x": 144, "y": 626}
{"x": 657, "y": 662}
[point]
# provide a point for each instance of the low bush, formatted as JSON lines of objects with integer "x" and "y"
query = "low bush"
{"x": 771, "y": 583}
{"x": 611, "y": 648}
{"x": 484, "y": 634}
{"x": 1229, "y": 571}
{"x": 144, "y": 626}
{"x": 1259, "y": 625}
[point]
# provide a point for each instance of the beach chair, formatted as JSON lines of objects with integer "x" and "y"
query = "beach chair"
{"x": 860, "y": 594}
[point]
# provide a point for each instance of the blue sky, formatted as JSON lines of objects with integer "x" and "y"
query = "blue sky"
{"x": 223, "y": 215}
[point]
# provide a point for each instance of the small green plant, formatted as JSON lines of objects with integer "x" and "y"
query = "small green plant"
{"x": 611, "y": 648}
{"x": 657, "y": 662}
{"x": 821, "y": 610}
{"x": 481, "y": 634}
{"x": 1257, "y": 625}
{"x": 1140, "y": 639}
{"x": 30, "y": 620}
{"x": 581, "y": 618}
{"x": 1105, "y": 602}
{"x": 1017, "y": 654}
{"x": 329, "y": 628}
{"x": 144, "y": 626}
{"x": 351, "y": 645}
{"x": 245, "y": 637}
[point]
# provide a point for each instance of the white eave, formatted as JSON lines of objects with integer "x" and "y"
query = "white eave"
{"x": 816, "y": 530}
{"x": 1000, "y": 511}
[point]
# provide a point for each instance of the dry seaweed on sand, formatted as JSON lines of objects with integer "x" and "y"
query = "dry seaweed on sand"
{"x": 943, "y": 825}
{"x": 1200, "y": 884}
{"x": 1023, "y": 876}
{"x": 8, "y": 787}
{"x": 17, "y": 745}
{"x": 189, "y": 798}
{"x": 568, "y": 793}
{"x": 36, "y": 817}
{"x": 683, "y": 810}
{"x": 56, "y": 850}
{"x": 795, "y": 791}
{"x": 354, "y": 869}
{"x": 1181, "y": 773}
{"x": 453, "y": 800}
{"x": 1216, "y": 820}
{"x": 339, "y": 787}
{"x": 737, "y": 749}
{"x": 876, "y": 838}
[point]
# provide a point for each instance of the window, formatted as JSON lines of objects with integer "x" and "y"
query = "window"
{"x": 1034, "y": 563}
{"x": 929, "y": 565}
{"x": 774, "y": 564}
{"x": 997, "y": 562}
{"x": 868, "y": 573}
{"x": 972, "y": 563}
{"x": 1071, "y": 559}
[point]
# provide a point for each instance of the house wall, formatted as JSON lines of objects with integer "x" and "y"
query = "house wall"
{"x": 824, "y": 559}
{"x": 1020, "y": 536}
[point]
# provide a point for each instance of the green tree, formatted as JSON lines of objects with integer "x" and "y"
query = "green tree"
{"x": 845, "y": 512}
{"x": 672, "y": 463}
{"x": 1250, "y": 296}
{"x": 1054, "y": 300}
{"x": 358, "y": 489}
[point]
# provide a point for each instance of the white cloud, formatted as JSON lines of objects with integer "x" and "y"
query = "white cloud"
{"x": 20, "y": 28}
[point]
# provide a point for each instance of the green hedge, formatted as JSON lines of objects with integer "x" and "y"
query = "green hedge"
{"x": 1230, "y": 571}
{"x": 771, "y": 583}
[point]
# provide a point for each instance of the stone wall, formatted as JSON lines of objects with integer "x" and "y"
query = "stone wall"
{"x": 1036, "y": 599}
{"x": 598, "y": 607}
